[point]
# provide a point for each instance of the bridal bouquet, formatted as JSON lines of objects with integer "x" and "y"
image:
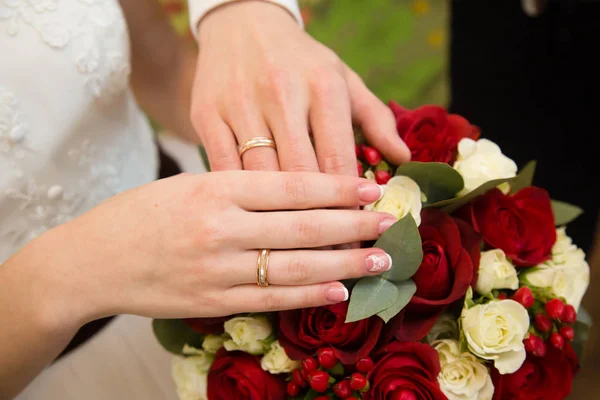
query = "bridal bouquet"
{"x": 482, "y": 301}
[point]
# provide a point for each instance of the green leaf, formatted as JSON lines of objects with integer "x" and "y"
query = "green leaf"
{"x": 438, "y": 181}
{"x": 406, "y": 290}
{"x": 204, "y": 157}
{"x": 311, "y": 395}
{"x": 337, "y": 370}
{"x": 370, "y": 295}
{"x": 564, "y": 212}
{"x": 524, "y": 178}
{"x": 582, "y": 331}
{"x": 173, "y": 334}
{"x": 452, "y": 205}
{"x": 402, "y": 242}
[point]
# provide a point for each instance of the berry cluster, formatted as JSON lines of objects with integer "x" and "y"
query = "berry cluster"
{"x": 326, "y": 375}
{"x": 370, "y": 158}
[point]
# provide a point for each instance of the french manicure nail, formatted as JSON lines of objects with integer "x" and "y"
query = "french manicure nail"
{"x": 336, "y": 293}
{"x": 379, "y": 262}
{"x": 369, "y": 192}
{"x": 385, "y": 224}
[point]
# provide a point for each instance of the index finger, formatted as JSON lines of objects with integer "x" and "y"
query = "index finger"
{"x": 264, "y": 191}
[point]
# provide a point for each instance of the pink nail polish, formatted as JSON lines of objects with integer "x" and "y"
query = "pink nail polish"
{"x": 379, "y": 262}
{"x": 385, "y": 224}
{"x": 336, "y": 293}
{"x": 369, "y": 192}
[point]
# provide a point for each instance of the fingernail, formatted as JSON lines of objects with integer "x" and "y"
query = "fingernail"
{"x": 369, "y": 192}
{"x": 336, "y": 293}
{"x": 385, "y": 224}
{"x": 379, "y": 262}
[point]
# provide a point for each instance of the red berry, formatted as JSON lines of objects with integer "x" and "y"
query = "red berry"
{"x": 543, "y": 323}
{"x": 359, "y": 168}
{"x": 567, "y": 332}
{"x": 569, "y": 315}
{"x": 382, "y": 177}
{"x": 358, "y": 381}
{"x": 342, "y": 389}
{"x": 524, "y": 297}
{"x": 293, "y": 389}
{"x": 535, "y": 345}
{"x": 555, "y": 308}
{"x": 319, "y": 380}
{"x": 298, "y": 378}
{"x": 308, "y": 365}
{"x": 326, "y": 357}
{"x": 364, "y": 365}
{"x": 372, "y": 156}
{"x": 502, "y": 296}
{"x": 557, "y": 341}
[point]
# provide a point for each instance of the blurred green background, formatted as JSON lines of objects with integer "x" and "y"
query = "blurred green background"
{"x": 399, "y": 47}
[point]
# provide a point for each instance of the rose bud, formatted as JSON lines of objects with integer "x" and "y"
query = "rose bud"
{"x": 569, "y": 314}
{"x": 543, "y": 323}
{"x": 364, "y": 365}
{"x": 555, "y": 308}
{"x": 358, "y": 381}
{"x": 372, "y": 156}
{"x": 524, "y": 297}
{"x": 298, "y": 378}
{"x": 567, "y": 332}
{"x": 319, "y": 380}
{"x": 557, "y": 341}
{"x": 293, "y": 389}
{"x": 342, "y": 389}
{"x": 382, "y": 177}
{"x": 326, "y": 357}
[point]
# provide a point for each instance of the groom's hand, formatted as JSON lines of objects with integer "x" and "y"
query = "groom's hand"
{"x": 260, "y": 75}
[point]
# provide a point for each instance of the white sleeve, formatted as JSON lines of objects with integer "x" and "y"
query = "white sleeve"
{"x": 199, "y": 8}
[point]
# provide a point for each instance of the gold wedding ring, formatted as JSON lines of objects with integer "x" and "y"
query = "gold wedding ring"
{"x": 262, "y": 266}
{"x": 259, "y": 141}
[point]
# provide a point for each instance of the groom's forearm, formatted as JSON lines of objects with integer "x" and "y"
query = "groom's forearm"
{"x": 163, "y": 66}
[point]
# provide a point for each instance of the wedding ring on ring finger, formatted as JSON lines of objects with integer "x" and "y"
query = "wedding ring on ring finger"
{"x": 259, "y": 141}
{"x": 305, "y": 267}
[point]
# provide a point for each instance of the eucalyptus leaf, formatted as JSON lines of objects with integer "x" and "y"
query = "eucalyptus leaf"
{"x": 438, "y": 181}
{"x": 173, "y": 334}
{"x": 311, "y": 395}
{"x": 452, "y": 205}
{"x": 204, "y": 157}
{"x": 564, "y": 212}
{"x": 402, "y": 242}
{"x": 524, "y": 178}
{"x": 406, "y": 290}
{"x": 370, "y": 295}
{"x": 582, "y": 328}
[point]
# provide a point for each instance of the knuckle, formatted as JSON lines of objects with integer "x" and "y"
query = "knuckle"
{"x": 279, "y": 84}
{"x": 297, "y": 189}
{"x": 368, "y": 225}
{"x": 328, "y": 81}
{"x": 338, "y": 163}
{"x": 307, "y": 231}
{"x": 272, "y": 302}
{"x": 211, "y": 235}
{"x": 298, "y": 270}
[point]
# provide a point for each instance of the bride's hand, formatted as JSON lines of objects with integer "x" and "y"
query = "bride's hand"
{"x": 260, "y": 74}
{"x": 187, "y": 246}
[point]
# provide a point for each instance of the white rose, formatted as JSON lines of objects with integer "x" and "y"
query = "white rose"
{"x": 481, "y": 161}
{"x": 212, "y": 343}
{"x": 567, "y": 274}
{"x": 401, "y": 195}
{"x": 462, "y": 376}
{"x": 495, "y": 272}
{"x": 189, "y": 374}
{"x": 495, "y": 331}
{"x": 446, "y": 327}
{"x": 276, "y": 361}
{"x": 249, "y": 334}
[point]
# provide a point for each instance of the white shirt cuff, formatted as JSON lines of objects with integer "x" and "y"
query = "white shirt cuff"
{"x": 199, "y": 8}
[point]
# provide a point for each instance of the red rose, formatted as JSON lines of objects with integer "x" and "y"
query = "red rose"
{"x": 405, "y": 370}
{"x": 208, "y": 326}
{"x": 450, "y": 252}
{"x": 539, "y": 378}
{"x": 238, "y": 375}
{"x": 522, "y": 225}
{"x": 302, "y": 332}
{"x": 431, "y": 133}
